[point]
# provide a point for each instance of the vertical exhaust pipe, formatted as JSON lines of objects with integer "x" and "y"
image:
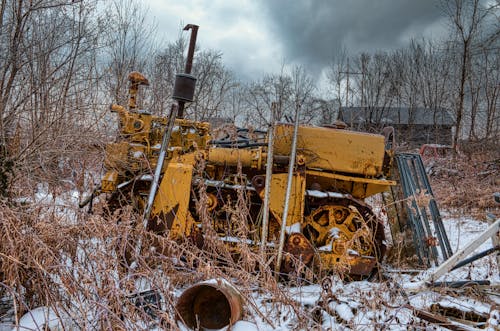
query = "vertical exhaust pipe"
{"x": 185, "y": 83}
{"x": 212, "y": 304}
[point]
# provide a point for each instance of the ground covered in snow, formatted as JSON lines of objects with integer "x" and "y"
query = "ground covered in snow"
{"x": 393, "y": 302}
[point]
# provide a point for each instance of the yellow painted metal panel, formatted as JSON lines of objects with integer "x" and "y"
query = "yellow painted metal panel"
{"x": 333, "y": 149}
{"x": 278, "y": 193}
{"x": 232, "y": 157}
{"x": 109, "y": 181}
{"x": 172, "y": 199}
{"x": 358, "y": 187}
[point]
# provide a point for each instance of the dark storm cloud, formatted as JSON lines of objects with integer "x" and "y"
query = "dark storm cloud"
{"x": 311, "y": 31}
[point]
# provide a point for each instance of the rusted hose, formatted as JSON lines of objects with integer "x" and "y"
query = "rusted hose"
{"x": 212, "y": 304}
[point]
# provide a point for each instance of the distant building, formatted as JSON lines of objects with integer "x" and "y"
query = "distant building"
{"x": 414, "y": 126}
{"x": 217, "y": 122}
{"x": 325, "y": 111}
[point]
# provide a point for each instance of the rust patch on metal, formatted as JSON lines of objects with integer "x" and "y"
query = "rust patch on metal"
{"x": 362, "y": 266}
{"x": 298, "y": 248}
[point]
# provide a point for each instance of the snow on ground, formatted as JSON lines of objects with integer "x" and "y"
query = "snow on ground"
{"x": 340, "y": 305}
{"x": 368, "y": 305}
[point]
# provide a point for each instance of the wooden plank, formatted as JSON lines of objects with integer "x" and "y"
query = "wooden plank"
{"x": 464, "y": 252}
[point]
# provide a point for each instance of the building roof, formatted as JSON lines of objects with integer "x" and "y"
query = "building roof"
{"x": 396, "y": 115}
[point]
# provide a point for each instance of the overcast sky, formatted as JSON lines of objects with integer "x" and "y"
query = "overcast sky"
{"x": 256, "y": 37}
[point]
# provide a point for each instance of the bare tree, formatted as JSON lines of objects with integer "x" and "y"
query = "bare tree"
{"x": 490, "y": 67}
{"x": 303, "y": 88}
{"x": 214, "y": 83}
{"x": 129, "y": 44}
{"x": 374, "y": 88}
{"x": 272, "y": 88}
{"x": 466, "y": 18}
{"x": 213, "y": 86}
{"x": 46, "y": 46}
{"x": 289, "y": 91}
{"x": 161, "y": 72}
{"x": 234, "y": 105}
{"x": 337, "y": 75}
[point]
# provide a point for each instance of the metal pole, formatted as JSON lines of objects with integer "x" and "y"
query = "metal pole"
{"x": 291, "y": 165}
{"x": 495, "y": 238}
{"x": 347, "y": 89}
{"x": 159, "y": 165}
{"x": 267, "y": 187}
{"x": 192, "y": 43}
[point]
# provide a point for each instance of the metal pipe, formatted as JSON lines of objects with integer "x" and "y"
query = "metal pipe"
{"x": 460, "y": 283}
{"x": 192, "y": 44}
{"x": 288, "y": 192}
{"x": 434, "y": 210}
{"x": 156, "y": 178}
{"x": 421, "y": 212}
{"x": 213, "y": 304}
{"x": 232, "y": 157}
{"x": 267, "y": 185}
{"x": 476, "y": 257}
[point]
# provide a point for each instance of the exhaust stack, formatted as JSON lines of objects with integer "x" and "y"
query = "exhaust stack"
{"x": 185, "y": 83}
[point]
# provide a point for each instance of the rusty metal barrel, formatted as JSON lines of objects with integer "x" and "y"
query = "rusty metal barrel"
{"x": 212, "y": 304}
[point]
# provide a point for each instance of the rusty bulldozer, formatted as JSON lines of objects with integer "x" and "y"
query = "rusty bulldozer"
{"x": 157, "y": 165}
{"x": 328, "y": 222}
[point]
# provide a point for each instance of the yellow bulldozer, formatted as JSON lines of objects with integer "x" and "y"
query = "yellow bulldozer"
{"x": 327, "y": 221}
{"x": 311, "y": 181}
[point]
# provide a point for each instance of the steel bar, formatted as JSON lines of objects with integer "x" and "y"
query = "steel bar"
{"x": 284, "y": 218}
{"x": 423, "y": 211}
{"x": 476, "y": 257}
{"x": 161, "y": 158}
{"x": 156, "y": 178}
{"x": 460, "y": 283}
{"x": 267, "y": 185}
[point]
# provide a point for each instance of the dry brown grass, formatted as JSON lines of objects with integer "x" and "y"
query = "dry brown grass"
{"x": 78, "y": 267}
{"x": 465, "y": 183}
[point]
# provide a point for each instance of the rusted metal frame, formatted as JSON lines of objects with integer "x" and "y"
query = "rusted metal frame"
{"x": 288, "y": 193}
{"x": 416, "y": 178}
{"x": 434, "y": 210}
{"x": 417, "y": 228}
